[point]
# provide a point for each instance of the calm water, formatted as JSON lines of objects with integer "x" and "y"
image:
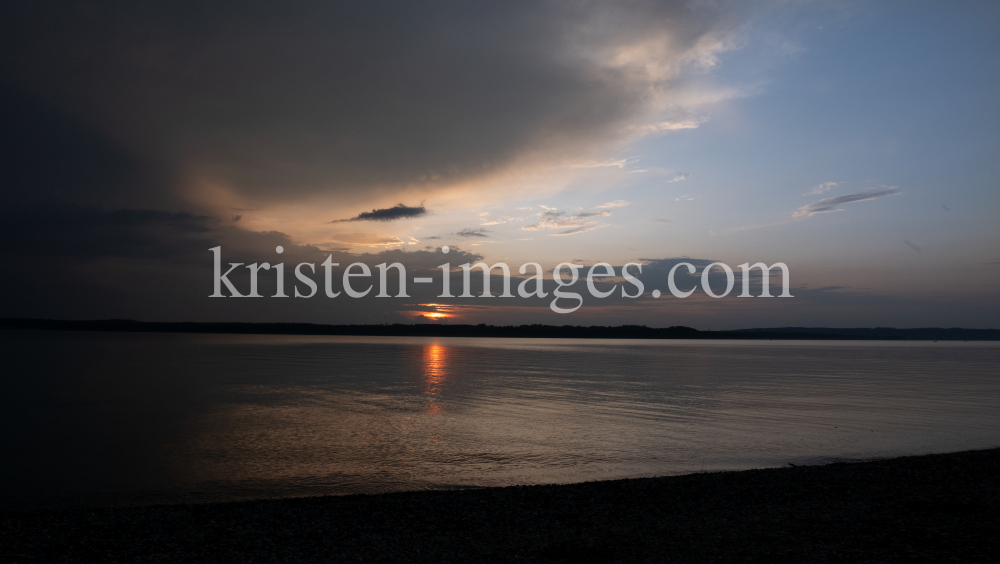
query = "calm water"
{"x": 113, "y": 418}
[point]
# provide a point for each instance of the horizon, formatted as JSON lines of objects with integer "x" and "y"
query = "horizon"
{"x": 431, "y": 328}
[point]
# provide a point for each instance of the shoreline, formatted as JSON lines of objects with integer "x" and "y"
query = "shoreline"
{"x": 915, "y": 509}
{"x": 509, "y": 331}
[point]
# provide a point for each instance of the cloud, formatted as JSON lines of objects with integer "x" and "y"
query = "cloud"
{"x": 365, "y": 240}
{"x": 679, "y": 176}
{"x": 291, "y": 101}
{"x": 619, "y": 163}
{"x": 399, "y": 211}
{"x": 660, "y": 221}
{"x": 497, "y": 221}
{"x": 72, "y": 230}
{"x": 829, "y": 205}
{"x": 669, "y": 125}
{"x": 51, "y": 155}
{"x": 572, "y": 224}
{"x": 822, "y": 188}
{"x": 552, "y": 219}
{"x": 473, "y": 232}
{"x": 684, "y": 199}
{"x": 614, "y": 204}
{"x": 581, "y": 229}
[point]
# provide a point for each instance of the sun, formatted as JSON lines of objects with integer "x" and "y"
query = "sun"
{"x": 437, "y": 312}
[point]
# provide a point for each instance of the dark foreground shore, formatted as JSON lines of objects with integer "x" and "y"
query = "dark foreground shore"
{"x": 935, "y": 508}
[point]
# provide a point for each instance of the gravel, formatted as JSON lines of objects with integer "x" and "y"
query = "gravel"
{"x": 933, "y": 508}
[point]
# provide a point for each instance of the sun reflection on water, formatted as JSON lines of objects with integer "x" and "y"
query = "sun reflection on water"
{"x": 435, "y": 364}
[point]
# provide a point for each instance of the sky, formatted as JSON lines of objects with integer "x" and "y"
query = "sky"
{"x": 856, "y": 142}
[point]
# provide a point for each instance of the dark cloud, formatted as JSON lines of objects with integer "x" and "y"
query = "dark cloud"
{"x": 830, "y": 204}
{"x": 47, "y": 154}
{"x": 71, "y": 230}
{"x": 480, "y": 232}
{"x": 276, "y": 100}
{"x": 399, "y": 211}
{"x": 73, "y": 262}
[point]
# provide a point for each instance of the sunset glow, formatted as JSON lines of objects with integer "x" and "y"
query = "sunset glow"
{"x": 433, "y": 312}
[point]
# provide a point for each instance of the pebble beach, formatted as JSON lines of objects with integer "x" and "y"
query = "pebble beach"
{"x": 932, "y": 508}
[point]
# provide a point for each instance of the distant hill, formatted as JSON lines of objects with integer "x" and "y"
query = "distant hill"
{"x": 523, "y": 331}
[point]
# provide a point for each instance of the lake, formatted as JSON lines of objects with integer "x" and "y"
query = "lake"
{"x": 95, "y": 419}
